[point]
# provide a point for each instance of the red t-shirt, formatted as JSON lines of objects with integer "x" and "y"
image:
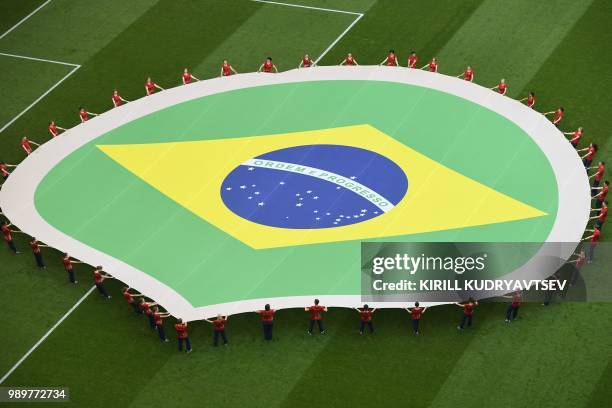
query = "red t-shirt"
{"x": 97, "y": 277}
{"x": 558, "y": 116}
{"x": 600, "y": 172}
{"x": 267, "y": 315}
{"x": 159, "y": 321}
{"x": 315, "y": 312}
{"x": 35, "y": 247}
{"x": 416, "y": 312}
{"x": 26, "y": 145}
{"x": 67, "y": 264}
{"x": 366, "y": 315}
{"x": 145, "y": 307}
{"x": 603, "y": 213}
{"x": 181, "y": 330}
{"x": 412, "y": 60}
{"x": 128, "y": 296}
{"x": 604, "y": 193}
{"x": 468, "y": 309}
{"x": 116, "y": 100}
{"x": 502, "y": 88}
{"x": 53, "y": 130}
{"x": 391, "y": 60}
{"x": 433, "y": 66}
{"x": 516, "y": 301}
{"x": 306, "y": 62}
{"x": 350, "y": 61}
{"x": 4, "y": 170}
{"x": 186, "y": 78}
{"x": 530, "y": 101}
{"x": 591, "y": 153}
{"x": 219, "y": 324}
{"x": 577, "y": 136}
{"x": 596, "y": 234}
{"x": 267, "y": 66}
{"x": 580, "y": 261}
{"x": 226, "y": 69}
{"x": 7, "y": 233}
{"x": 150, "y": 87}
{"x": 84, "y": 116}
{"x": 468, "y": 74}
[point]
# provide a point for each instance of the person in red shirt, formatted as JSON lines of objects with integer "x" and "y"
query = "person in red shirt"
{"x": 227, "y": 69}
{"x": 267, "y": 321}
{"x": 529, "y": 100}
{"x": 390, "y": 60}
{"x": 99, "y": 276}
{"x": 182, "y": 335}
{"x": 219, "y": 329}
{"x": 587, "y": 159}
{"x": 558, "y": 115}
{"x": 187, "y": 77}
{"x": 68, "y": 266}
{"x": 602, "y": 213}
{"x": 513, "y": 308}
{"x": 84, "y": 114}
{"x": 594, "y": 239}
{"x": 35, "y": 245}
{"x": 412, "y": 59}
{"x": 54, "y": 129}
{"x": 159, "y": 317}
{"x": 432, "y": 66}
{"x": 8, "y": 236}
{"x": 502, "y": 87}
{"x": 468, "y": 313}
{"x": 576, "y": 136}
{"x": 4, "y": 169}
{"x": 117, "y": 99}
{"x": 579, "y": 263}
{"x": 365, "y": 316}
{"x": 130, "y": 298}
{"x": 349, "y": 60}
{"x": 26, "y": 145}
{"x": 416, "y": 313}
{"x": 306, "y": 62}
{"x": 150, "y": 87}
{"x": 268, "y": 66}
{"x": 315, "y": 316}
{"x": 468, "y": 74}
{"x": 145, "y": 307}
{"x": 598, "y": 175}
{"x": 601, "y": 196}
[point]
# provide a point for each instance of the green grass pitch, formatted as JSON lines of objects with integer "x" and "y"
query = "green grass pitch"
{"x": 555, "y": 357}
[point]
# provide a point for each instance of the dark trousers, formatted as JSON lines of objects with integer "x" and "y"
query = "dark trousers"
{"x": 216, "y": 335}
{"x": 587, "y": 163}
{"x": 102, "y": 289}
{"x": 311, "y": 325}
{"x": 71, "y": 275}
{"x": 598, "y": 203}
{"x": 512, "y": 312}
{"x": 39, "y": 260}
{"x": 465, "y": 319}
{"x": 151, "y": 320}
{"x": 591, "y": 251}
{"x": 415, "y": 325}
{"x": 267, "y": 330}
{"x": 135, "y": 307}
{"x": 11, "y": 245}
{"x": 363, "y": 324}
{"x": 161, "y": 332}
{"x": 548, "y": 297}
{"x": 187, "y": 344}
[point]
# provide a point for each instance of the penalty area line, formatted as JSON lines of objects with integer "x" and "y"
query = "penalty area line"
{"x": 24, "y": 19}
{"x": 47, "y": 334}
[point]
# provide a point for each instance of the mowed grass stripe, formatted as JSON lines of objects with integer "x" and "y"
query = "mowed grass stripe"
{"x": 510, "y": 41}
{"x": 301, "y": 30}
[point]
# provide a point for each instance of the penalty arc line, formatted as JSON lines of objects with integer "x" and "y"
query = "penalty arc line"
{"x": 24, "y": 19}
{"x": 47, "y": 334}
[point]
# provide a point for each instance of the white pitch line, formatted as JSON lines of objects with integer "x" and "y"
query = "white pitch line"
{"x": 39, "y": 59}
{"x": 39, "y": 98}
{"x": 308, "y": 7}
{"x": 24, "y": 19}
{"x": 338, "y": 39}
{"x": 44, "y": 337}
